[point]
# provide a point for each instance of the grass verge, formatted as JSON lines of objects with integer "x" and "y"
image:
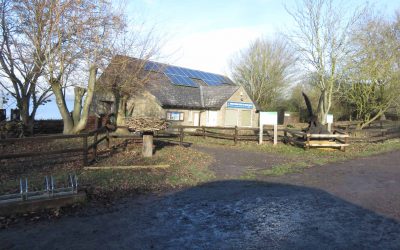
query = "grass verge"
{"x": 296, "y": 158}
{"x": 187, "y": 168}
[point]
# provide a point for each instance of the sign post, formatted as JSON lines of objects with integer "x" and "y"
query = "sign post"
{"x": 269, "y": 118}
{"x": 329, "y": 120}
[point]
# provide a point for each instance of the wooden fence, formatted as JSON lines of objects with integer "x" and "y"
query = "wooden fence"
{"x": 228, "y": 133}
{"x": 99, "y": 135}
{"x": 376, "y": 132}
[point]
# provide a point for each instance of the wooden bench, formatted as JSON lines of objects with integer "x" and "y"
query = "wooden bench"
{"x": 307, "y": 140}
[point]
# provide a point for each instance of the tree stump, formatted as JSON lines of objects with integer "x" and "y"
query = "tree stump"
{"x": 147, "y": 150}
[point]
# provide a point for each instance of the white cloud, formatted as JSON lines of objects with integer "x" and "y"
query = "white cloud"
{"x": 212, "y": 50}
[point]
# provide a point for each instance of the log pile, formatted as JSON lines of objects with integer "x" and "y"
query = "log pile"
{"x": 11, "y": 129}
{"x": 145, "y": 124}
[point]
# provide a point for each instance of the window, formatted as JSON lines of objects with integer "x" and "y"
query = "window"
{"x": 175, "y": 116}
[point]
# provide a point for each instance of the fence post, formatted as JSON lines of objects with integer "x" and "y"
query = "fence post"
{"x": 181, "y": 136}
{"x": 235, "y": 138}
{"x": 147, "y": 148}
{"x": 95, "y": 145}
{"x": 85, "y": 150}
{"x": 308, "y": 142}
{"x": 346, "y": 140}
{"x": 204, "y": 132}
{"x": 108, "y": 138}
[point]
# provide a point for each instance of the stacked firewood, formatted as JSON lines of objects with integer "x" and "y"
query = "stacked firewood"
{"x": 145, "y": 124}
{"x": 11, "y": 129}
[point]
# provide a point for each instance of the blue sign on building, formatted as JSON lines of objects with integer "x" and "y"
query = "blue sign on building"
{"x": 240, "y": 105}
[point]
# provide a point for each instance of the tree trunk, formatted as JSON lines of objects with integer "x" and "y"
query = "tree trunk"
{"x": 81, "y": 124}
{"x": 62, "y": 107}
{"x": 72, "y": 126}
{"x": 369, "y": 121}
{"x": 121, "y": 114}
{"x": 24, "y": 115}
{"x": 79, "y": 93}
{"x": 321, "y": 110}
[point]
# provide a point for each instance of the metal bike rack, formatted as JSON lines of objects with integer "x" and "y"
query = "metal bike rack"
{"x": 49, "y": 190}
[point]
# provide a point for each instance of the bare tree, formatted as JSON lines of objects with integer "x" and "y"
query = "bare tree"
{"x": 374, "y": 69}
{"x": 82, "y": 33}
{"x": 21, "y": 56}
{"x": 264, "y": 70}
{"x": 321, "y": 37}
{"x": 126, "y": 75}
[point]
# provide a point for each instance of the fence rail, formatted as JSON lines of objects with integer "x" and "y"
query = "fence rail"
{"x": 228, "y": 133}
{"x": 215, "y": 132}
{"x": 85, "y": 148}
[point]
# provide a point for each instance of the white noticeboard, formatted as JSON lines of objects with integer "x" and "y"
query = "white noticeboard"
{"x": 268, "y": 118}
{"x": 329, "y": 118}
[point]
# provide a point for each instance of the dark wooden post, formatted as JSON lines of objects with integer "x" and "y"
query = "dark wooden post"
{"x": 108, "y": 138}
{"x": 235, "y": 138}
{"x": 96, "y": 134}
{"x": 85, "y": 150}
{"x": 181, "y": 135}
{"x": 204, "y": 132}
{"x": 147, "y": 149}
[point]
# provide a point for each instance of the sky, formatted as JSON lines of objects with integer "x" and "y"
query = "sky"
{"x": 207, "y": 34}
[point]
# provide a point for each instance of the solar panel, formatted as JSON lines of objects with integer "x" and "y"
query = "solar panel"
{"x": 196, "y": 74}
{"x": 212, "y": 83}
{"x": 182, "y": 71}
{"x": 170, "y": 71}
{"x": 181, "y": 76}
{"x": 227, "y": 80}
{"x": 152, "y": 66}
{"x": 182, "y": 80}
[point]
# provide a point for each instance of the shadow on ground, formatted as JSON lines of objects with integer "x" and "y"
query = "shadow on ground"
{"x": 218, "y": 215}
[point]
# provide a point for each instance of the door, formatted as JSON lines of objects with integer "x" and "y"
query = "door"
{"x": 212, "y": 118}
{"x": 196, "y": 118}
{"x": 231, "y": 117}
{"x": 245, "y": 118}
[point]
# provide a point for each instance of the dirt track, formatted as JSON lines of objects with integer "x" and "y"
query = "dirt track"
{"x": 350, "y": 205}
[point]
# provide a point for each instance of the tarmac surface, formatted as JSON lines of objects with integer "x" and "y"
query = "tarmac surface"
{"x": 349, "y": 205}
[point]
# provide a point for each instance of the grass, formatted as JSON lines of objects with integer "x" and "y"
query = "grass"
{"x": 187, "y": 168}
{"x": 297, "y": 158}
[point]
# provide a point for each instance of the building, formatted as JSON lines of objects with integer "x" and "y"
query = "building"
{"x": 186, "y": 97}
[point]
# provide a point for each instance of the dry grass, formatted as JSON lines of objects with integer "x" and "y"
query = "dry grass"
{"x": 187, "y": 167}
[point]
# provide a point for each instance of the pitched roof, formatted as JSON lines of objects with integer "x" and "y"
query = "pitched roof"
{"x": 175, "y": 96}
{"x": 199, "y": 89}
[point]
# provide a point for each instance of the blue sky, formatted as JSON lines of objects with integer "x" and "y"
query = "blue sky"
{"x": 206, "y": 34}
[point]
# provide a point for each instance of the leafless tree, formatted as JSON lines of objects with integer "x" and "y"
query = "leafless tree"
{"x": 81, "y": 34}
{"x": 264, "y": 70}
{"x": 373, "y": 69}
{"x": 126, "y": 75}
{"x": 321, "y": 37}
{"x": 22, "y": 56}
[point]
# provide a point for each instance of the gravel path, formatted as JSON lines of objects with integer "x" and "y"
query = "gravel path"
{"x": 351, "y": 205}
{"x": 232, "y": 163}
